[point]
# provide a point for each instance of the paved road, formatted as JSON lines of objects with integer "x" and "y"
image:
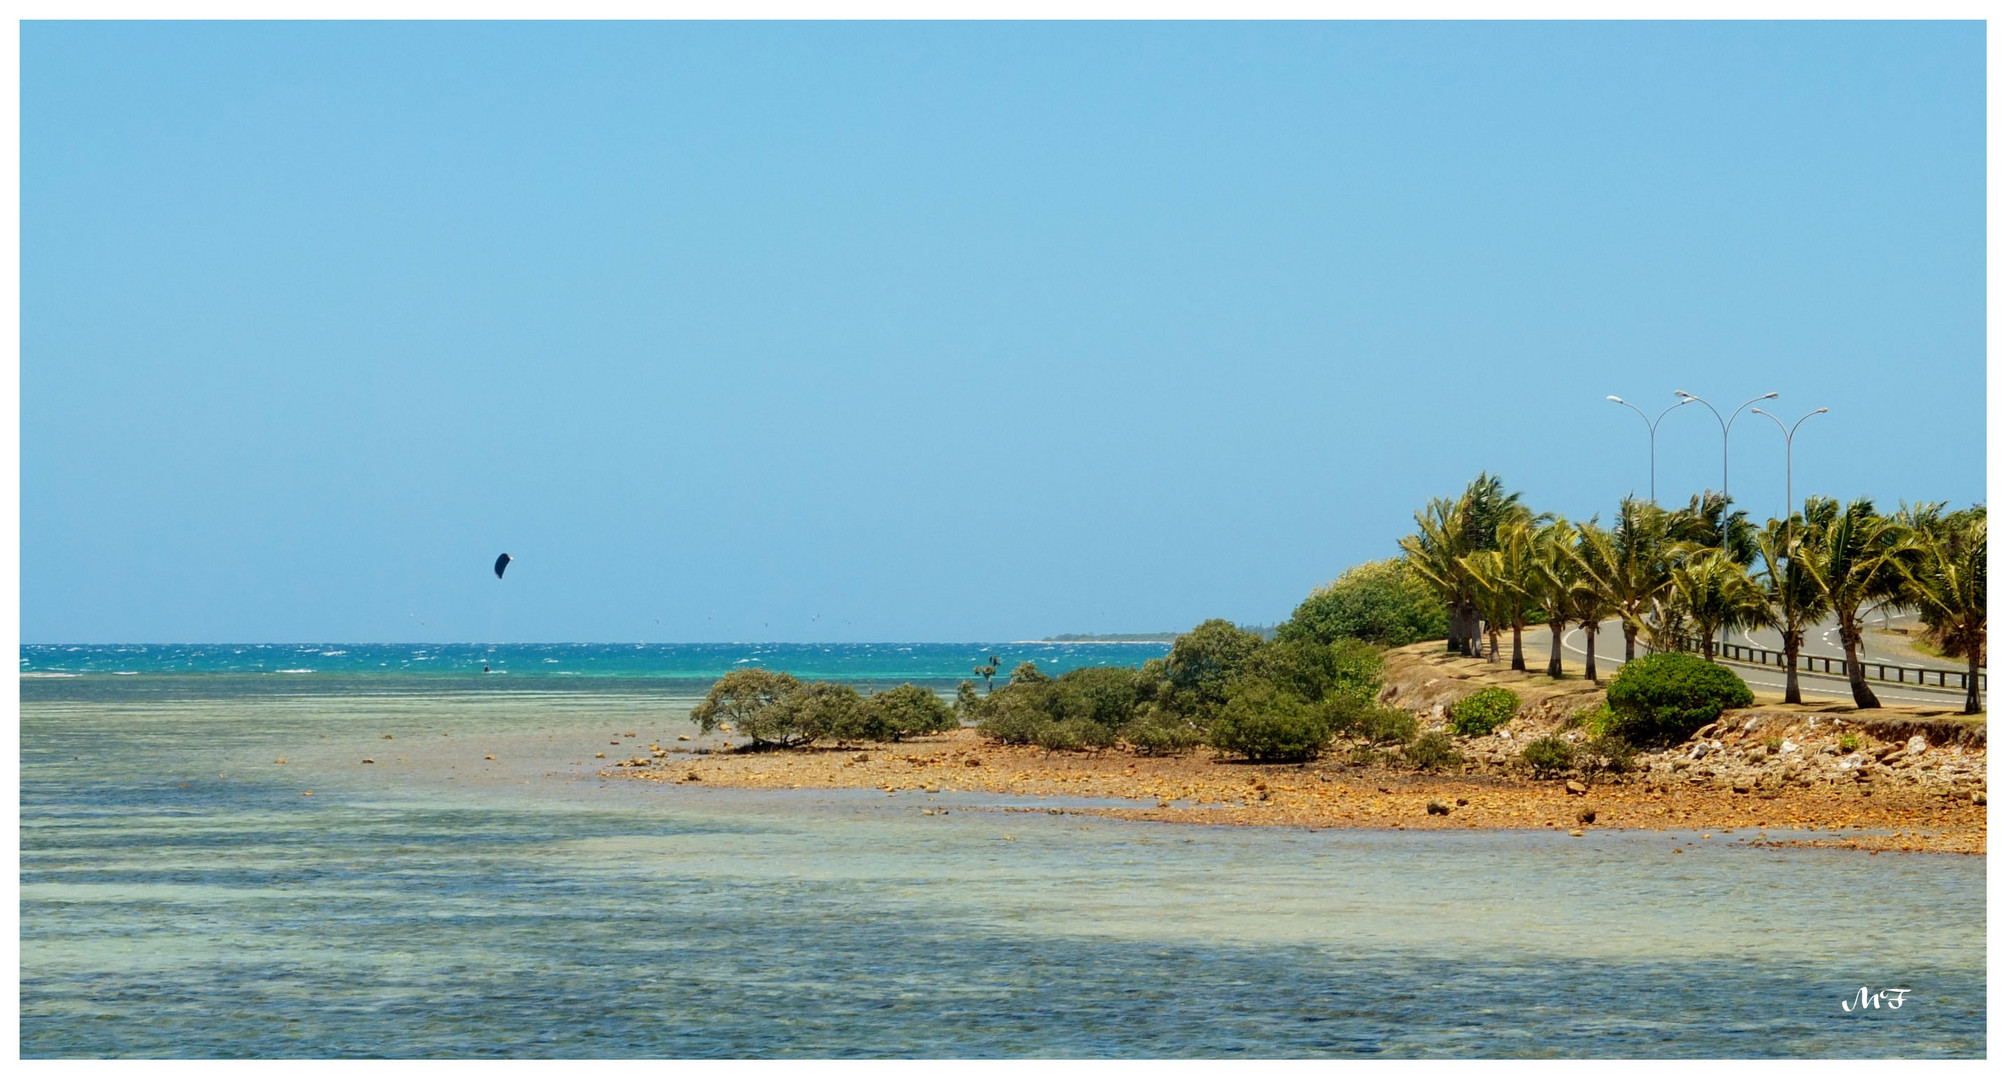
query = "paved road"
{"x": 1823, "y": 641}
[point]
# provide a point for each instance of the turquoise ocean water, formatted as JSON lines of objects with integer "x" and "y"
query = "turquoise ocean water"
{"x": 925, "y": 662}
{"x": 478, "y": 890}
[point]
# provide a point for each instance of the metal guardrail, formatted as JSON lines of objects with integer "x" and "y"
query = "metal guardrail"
{"x": 1948, "y": 678}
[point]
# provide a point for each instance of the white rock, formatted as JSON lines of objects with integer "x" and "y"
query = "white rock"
{"x": 1788, "y": 747}
{"x": 1917, "y": 744}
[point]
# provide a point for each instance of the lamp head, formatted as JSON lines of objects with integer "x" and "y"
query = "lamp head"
{"x": 1769, "y": 395}
{"x": 1817, "y": 411}
{"x": 1614, "y": 398}
{"x": 1760, "y": 412}
{"x": 1681, "y": 394}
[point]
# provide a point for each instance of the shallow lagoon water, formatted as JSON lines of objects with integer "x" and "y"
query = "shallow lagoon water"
{"x": 440, "y": 904}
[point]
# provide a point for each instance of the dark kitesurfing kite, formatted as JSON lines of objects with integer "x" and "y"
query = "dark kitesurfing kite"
{"x": 502, "y": 562}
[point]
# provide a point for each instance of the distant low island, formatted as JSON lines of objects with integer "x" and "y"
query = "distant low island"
{"x": 1164, "y": 637}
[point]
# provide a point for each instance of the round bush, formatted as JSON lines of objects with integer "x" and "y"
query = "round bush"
{"x": 1662, "y": 699}
{"x": 905, "y": 711}
{"x": 1369, "y": 722}
{"x": 1549, "y": 755}
{"x": 1431, "y": 752}
{"x": 1011, "y": 720}
{"x": 1261, "y": 723}
{"x": 760, "y": 705}
{"x": 1100, "y": 695}
{"x": 1482, "y": 712}
{"x": 1379, "y": 602}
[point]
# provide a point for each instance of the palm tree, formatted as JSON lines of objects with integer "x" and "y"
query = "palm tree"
{"x": 1948, "y": 584}
{"x": 1494, "y": 597}
{"x": 1504, "y": 580}
{"x": 1792, "y": 591}
{"x": 1633, "y": 564}
{"x": 1557, "y": 569}
{"x": 1716, "y": 594}
{"x": 1705, "y": 521}
{"x": 1592, "y": 600}
{"x": 1446, "y": 532}
{"x": 1863, "y": 561}
{"x": 1435, "y": 554}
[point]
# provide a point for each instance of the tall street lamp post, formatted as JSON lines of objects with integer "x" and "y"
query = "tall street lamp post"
{"x": 1725, "y": 425}
{"x": 1652, "y": 432}
{"x": 1790, "y": 433}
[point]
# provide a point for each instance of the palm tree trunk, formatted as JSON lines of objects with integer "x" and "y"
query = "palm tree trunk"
{"x": 1857, "y": 671}
{"x": 1589, "y": 632}
{"x": 1492, "y": 632}
{"x": 1518, "y": 654}
{"x": 1554, "y": 650}
{"x": 1971, "y": 681}
{"x": 1791, "y": 645}
{"x": 1460, "y": 632}
{"x": 1706, "y": 643}
{"x": 1630, "y": 642}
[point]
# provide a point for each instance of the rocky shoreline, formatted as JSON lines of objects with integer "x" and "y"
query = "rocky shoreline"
{"x": 1881, "y": 780}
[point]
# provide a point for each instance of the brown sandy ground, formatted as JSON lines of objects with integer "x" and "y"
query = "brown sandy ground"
{"x": 1774, "y": 774}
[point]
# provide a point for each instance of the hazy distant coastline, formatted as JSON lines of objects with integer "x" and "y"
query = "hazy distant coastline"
{"x": 1105, "y": 639}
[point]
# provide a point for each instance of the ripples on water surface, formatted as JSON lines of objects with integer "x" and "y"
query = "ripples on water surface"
{"x": 523, "y": 907}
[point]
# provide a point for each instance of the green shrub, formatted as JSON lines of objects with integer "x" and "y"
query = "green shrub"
{"x": 1380, "y": 724}
{"x": 1262, "y": 723}
{"x": 1662, "y": 699}
{"x": 1103, "y": 695}
{"x": 1052, "y": 735}
{"x": 905, "y": 711}
{"x": 968, "y": 703}
{"x": 1595, "y": 719}
{"x": 830, "y": 710}
{"x": 1482, "y": 712}
{"x": 1774, "y": 743}
{"x": 1378, "y": 602}
{"x": 1598, "y": 721}
{"x": 1160, "y": 739}
{"x": 1605, "y": 754}
{"x": 1152, "y": 680}
{"x": 759, "y": 705}
{"x": 1155, "y": 732}
{"x": 1206, "y": 660}
{"x": 1012, "y": 721}
{"x": 1549, "y": 755}
{"x": 1027, "y": 673}
{"x": 1849, "y": 743}
{"x": 1431, "y": 752}
{"x": 1314, "y": 671}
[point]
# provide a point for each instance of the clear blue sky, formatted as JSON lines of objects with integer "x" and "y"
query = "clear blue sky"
{"x": 944, "y": 332}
